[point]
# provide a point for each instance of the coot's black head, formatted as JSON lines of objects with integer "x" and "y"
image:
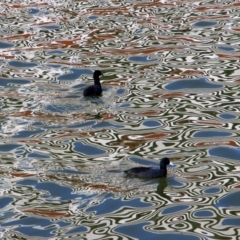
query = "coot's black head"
{"x": 164, "y": 162}
{"x": 97, "y": 73}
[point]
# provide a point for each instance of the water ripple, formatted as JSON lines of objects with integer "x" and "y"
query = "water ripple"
{"x": 170, "y": 88}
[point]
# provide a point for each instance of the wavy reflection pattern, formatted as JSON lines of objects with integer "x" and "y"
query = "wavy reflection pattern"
{"x": 170, "y": 88}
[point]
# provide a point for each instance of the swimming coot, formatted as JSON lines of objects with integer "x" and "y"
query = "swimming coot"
{"x": 96, "y": 89}
{"x": 150, "y": 172}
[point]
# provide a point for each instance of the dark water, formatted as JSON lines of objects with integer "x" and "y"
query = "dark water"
{"x": 171, "y": 88}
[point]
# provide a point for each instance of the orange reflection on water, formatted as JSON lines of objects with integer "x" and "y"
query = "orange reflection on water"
{"x": 7, "y": 56}
{"x": 187, "y": 39}
{"x": 117, "y": 82}
{"x": 150, "y": 112}
{"x": 152, "y": 4}
{"x": 18, "y": 36}
{"x": 218, "y": 143}
{"x": 156, "y": 135}
{"x": 148, "y": 66}
{"x": 28, "y": 141}
{"x": 105, "y": 188}
{"x": 47, "y": 45}
{"x": 18, "y": 174}
{"x": 228, "y": 56}
{"x": 23, "y": 174}
{"x": 182, "y": 122}
{"x": 128, "y": 143}
{"x": 26, "y": 113}
{"x": 107, "y": 36}
{"x": 68, "y": 43}
{"x": 196, "y": 177}
{"x": 44, "y": 23}
{"x": 107, "y": 116}
{"x": 140, "y": 51}
{"x": 24, "y": 6}
{"x": 172, "y": 95}
{"x": 47, "y": 213}
{"x": 107, "y": 11}
{"x": 134, "y": 141}
{"x": 236, "y": 29}
{"x": 192, "y": 72}
{"x": 29, "y": 113}
{"x": 217, "y": 7}
{"x": 204, "y": 18}
{"x": 69, "y": 63}
{"x": 211, "y": 123}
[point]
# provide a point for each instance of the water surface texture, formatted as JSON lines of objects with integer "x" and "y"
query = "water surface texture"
{"x": 170, "y": 88}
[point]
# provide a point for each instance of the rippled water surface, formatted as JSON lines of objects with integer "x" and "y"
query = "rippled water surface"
{"x": 170, "y": 88}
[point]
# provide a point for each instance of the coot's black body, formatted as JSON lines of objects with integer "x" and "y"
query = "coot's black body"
{"x": 150, "y": 172}
{"x": 96, "y": 89}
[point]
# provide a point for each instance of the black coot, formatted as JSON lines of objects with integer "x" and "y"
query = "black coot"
{"x": 96, "y": 89}
{"x": 150, "y": 172}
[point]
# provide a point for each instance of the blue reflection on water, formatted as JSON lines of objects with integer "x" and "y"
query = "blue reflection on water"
{"x": 123, "y": 105}
{"x": 56, "y": 52}
{"x": 151, "y": 123}
{"x": 54, "y": 65}
{"x": 212, "y": 190}
{"x": 174, "y": 209}
{"x": 33, "y": 11}
{"x": 120, "y": 91}
{"x": 111, "y": 205}
{"x": 8, "y": 147}
{"x": 171, "y": 151}
{"x": 4, "y": 201}
{"x": 175, "y": 183}
{"x": 211, "y": 134}
{"x": 204, "y": 24}
{"x": 105, "y": 124}
{"x": 6, "y": 45}
{"x": 226, "y": 152}
{"x": 226, "y": 48}
{"x": 50, "y": 27}
{"x": 227, "y": 116}
{"x": 92, "y": 17}
{"x": 37, "y": 155}
{"x": 204, "y": 214}
{"x": 231, "y": 222}
{"x": 34, "y": 226}
{"x": 77, "y": 229}
{"x": 6, "y": 81}
{"x": 191, "y": 84}
{"x": 21, "y": 64}
{"x": 114, "y": 171}
{"x": 87, "y": 149}
{"x": 230, "y": 200}
{"x": 137, "y": 231}
{"x": 27, "y": 133}
{"x": 143, "y": 59}
{"x": 81, "y": 125}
